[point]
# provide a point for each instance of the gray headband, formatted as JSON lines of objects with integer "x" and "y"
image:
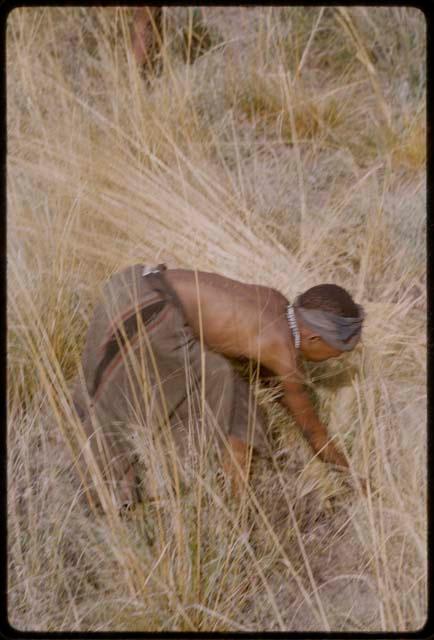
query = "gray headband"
{"x": 340, "y": 332}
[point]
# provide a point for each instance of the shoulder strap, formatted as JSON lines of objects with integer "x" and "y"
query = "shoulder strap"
{"x": 129, "y": 297}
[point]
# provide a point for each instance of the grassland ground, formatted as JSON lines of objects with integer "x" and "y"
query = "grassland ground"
{"x": 284, "y": 146}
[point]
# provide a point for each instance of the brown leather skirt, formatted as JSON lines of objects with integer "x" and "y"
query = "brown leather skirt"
{"x": 144, "y": 374}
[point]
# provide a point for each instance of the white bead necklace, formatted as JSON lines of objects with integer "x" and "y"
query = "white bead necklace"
{"x": 293, "y": 325}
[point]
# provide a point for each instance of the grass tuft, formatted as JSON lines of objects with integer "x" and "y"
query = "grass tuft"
{"x": 284, "y": 146}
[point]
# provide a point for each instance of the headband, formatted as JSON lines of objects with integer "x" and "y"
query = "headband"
{"x": 340, "y": 332}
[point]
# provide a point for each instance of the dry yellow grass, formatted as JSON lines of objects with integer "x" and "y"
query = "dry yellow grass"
{"x": 291, "y": 152}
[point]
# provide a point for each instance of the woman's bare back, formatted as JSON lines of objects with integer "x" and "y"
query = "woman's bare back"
{"x": 233, "y": 318}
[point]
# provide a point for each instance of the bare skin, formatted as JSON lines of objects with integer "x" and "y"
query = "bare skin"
{"x": 245, "y": 320}
{"x": 146, "y": 36}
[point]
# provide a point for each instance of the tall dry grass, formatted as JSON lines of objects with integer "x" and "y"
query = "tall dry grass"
{"x": 291, "y": 152}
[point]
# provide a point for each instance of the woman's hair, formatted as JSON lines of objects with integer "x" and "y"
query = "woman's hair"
{"x": 329, "y": 297}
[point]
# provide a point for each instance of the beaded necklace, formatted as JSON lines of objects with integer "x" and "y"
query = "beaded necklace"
{"x": 293, "y": 325}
